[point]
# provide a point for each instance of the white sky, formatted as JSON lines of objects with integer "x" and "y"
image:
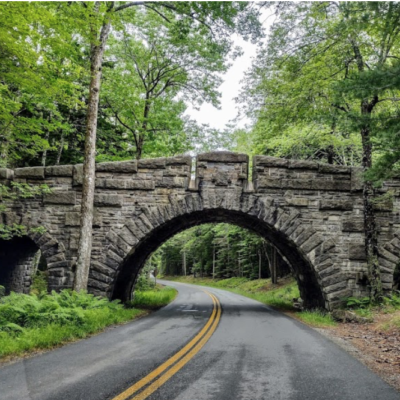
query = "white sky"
{"x": 230, "y": 88}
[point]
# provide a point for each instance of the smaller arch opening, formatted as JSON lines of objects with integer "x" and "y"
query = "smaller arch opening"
{"x": 22, "y": 266}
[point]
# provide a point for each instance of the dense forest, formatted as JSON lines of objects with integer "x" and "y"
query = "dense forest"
{"x": 107, "y": 81}
{"x": 221, "y": 251}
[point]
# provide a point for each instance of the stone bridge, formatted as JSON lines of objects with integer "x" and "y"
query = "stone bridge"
{"x": 311, "y": 212}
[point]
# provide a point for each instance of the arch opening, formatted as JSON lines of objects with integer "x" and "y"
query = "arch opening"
{"x": 21, "y": 261}
{"x": 304, "y": 273}
{"x": 218, "y": 251}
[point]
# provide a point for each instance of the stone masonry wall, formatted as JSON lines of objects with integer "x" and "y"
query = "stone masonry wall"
{"x": 17, "y": 264}
{"x": 312, "y": 212}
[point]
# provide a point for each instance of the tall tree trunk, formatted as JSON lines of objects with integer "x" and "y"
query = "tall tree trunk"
{"x": 371, "y": 236}
{"x": 85, "y": 239}
{"x": 44, "y": 154}
{"x": 141, "y": 136}
{"x": 60, "y": 149}
{"x": 259, "y": 263}
{"x": 213, "y": 273}
{"x": 184, "y": 262}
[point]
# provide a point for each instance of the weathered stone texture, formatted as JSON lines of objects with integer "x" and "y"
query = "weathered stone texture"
{"x": 29, "y": 173}
{"x": 312, "y": 212}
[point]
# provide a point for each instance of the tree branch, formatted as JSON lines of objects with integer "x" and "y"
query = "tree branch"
{"x": 130, "y": 4}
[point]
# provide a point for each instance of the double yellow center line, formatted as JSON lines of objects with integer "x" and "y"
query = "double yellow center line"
{"x": 170, "y": 367}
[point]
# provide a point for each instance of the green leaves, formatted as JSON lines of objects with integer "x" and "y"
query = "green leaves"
{"x": 306, "y": 89}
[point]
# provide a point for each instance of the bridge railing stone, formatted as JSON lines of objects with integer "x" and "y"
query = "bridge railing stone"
{"x": 277, "y": 173}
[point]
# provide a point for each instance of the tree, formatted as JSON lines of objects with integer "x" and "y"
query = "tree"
{"x": 153, "y": 75}
{"x": 323, "y": 82}
{"x": 38, "y": 71}
{"x": 214, "y": 20}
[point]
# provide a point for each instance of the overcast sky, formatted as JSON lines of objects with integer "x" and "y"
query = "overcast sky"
{"x": 218, "y": 118}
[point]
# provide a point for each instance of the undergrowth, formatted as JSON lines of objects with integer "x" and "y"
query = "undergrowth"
{"x": 29, "y": 322}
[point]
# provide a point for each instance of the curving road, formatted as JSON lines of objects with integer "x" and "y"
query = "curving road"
{"x": 189, "y": 351}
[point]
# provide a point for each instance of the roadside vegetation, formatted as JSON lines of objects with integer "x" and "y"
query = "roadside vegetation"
{"x": 279, "y": 295}
{"x": 366, "y": 308}
{"x": 44, "y": 321}
{"x": 154, "y": 298}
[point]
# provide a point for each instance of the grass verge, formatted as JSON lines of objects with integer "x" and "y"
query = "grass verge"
{"x": 35, "y": 322}
{"x": 153, "y": 299}
{"x": 279, "y": 296}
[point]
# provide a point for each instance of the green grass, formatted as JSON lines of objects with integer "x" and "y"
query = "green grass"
{"x": 280, "y": 296}
{"x": 153, "y": 299}
{"x": 33, "y": 322}
{"x": 51, "y": 335}
{"x": 317, "y": 318}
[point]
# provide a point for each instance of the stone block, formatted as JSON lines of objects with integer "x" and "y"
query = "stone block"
{"x": 357, "y": 252}
{"x": 100, "y": 276}
{"x": 6, "y": 173}
{"x": 357, "y": 180}
{"x": 387, "y": 278}
{"x": 267, "y": 182}
{"x": 221, "y": 178}
{"x": 353, "y": 224}
{"x": 179, "y": 160}
{"x": 343, "y": 205}
{"x": 77, "y": 175}
{"x": 29, "y": 173}
{"x": 110, "y": 183}
{"x": 297, "y": 201}
{"x": 151, "y": 163}
{"x": 119, "y": 167}
{"x": 172, "y": 182}
{"x": 97, "y": 266}
{"x": 302, "y": 184}
{"x": 269, "y": 161}
{"x": 388, "y": 256}
{"x": 94, "y": 283}
{"x": 223, "y": 157}
{"x": 383, "y": 205}
{"x": 331, "y": 185}
{"x": 58, "y": 197}
{"x": 140, "y": 184}
{"x": 301, "y": 164}
{"x": 128, "y": 236}
{"x": 74, "y": 219}
{"x": 333, "y": 169}
{"x": 59, "y": 170}
{"x": 108, "y": 200}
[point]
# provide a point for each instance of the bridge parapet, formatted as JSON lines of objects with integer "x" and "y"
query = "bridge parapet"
{"x": 279, "y": 173}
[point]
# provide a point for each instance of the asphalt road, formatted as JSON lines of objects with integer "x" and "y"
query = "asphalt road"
{"x": 254, "y": 353}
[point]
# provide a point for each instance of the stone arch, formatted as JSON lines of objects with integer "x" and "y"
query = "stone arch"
{"x": 389, "y": 257}
{"x": 51, "y": 249}
{"x": 310, "y": 254}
